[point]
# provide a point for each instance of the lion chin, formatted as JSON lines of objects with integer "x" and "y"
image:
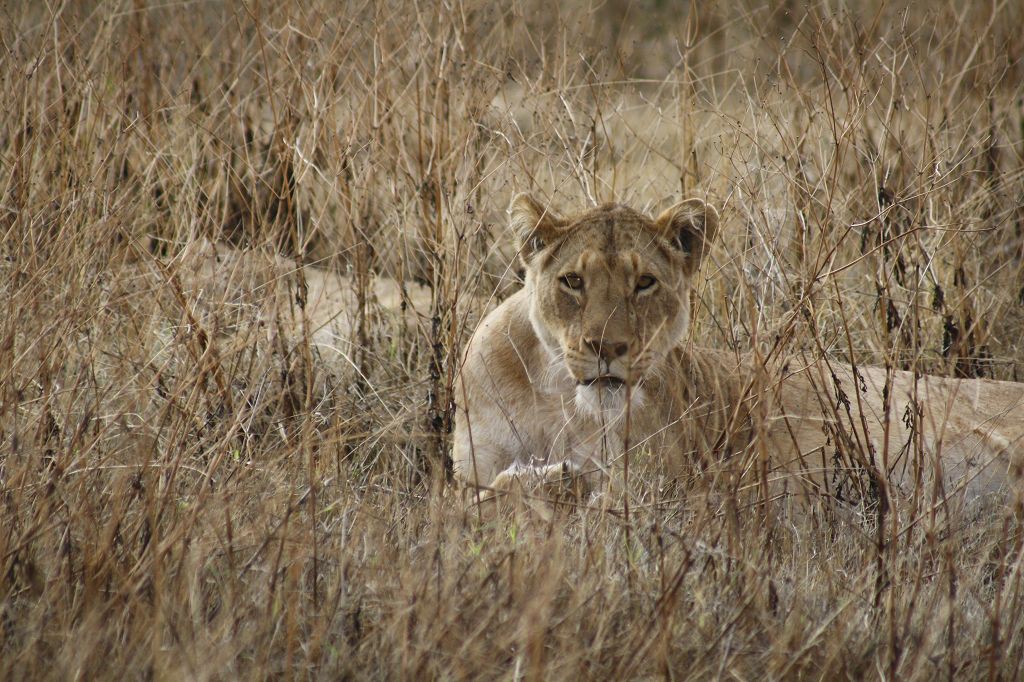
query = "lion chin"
{"x": 608, "y": 399}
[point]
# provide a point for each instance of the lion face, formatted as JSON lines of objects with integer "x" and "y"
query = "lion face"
{"x": 608, "y": 291}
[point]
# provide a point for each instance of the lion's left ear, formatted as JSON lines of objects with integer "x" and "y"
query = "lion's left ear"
{"x": 690, "y": 226}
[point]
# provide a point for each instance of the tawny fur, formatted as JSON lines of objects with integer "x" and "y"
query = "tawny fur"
{"x": 529, "y": 411}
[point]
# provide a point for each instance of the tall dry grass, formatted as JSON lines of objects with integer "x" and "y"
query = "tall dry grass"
{"x": 197, "y": 482}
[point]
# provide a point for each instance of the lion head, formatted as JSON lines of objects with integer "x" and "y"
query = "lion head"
{"x": 609, "y": 291}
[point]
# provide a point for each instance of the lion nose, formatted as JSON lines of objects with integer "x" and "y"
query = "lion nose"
{"x": 607, "y": 350}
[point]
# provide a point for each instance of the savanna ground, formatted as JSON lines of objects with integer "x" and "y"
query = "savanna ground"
{"x": 196, "y": 484}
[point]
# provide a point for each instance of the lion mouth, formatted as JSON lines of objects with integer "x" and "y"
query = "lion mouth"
{"x": 607, "y": 381}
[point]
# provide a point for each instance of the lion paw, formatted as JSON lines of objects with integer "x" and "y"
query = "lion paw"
{"x": 557, "y": 484}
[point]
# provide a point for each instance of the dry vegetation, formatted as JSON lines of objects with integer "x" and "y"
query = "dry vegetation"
{"x": 201, "y": 478}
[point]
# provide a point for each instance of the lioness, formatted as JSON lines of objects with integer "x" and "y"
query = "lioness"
{"x": 590, "y": 361}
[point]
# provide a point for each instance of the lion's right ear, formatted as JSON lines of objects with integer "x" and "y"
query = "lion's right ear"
{"x": 533, "y": 224}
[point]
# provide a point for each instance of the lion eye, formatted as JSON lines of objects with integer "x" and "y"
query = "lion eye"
{"x": 573, "y": 281}
{"x": 645, "y": 282}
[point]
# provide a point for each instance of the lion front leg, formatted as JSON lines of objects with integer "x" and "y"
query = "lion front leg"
{"x": 559, "y": 483}
{"x": 563, "y": 483}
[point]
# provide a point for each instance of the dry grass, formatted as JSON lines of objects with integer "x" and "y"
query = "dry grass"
{"x": 194, "y": 486}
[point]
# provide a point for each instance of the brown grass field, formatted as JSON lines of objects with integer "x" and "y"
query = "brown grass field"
{"x": 208, "y": 472}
